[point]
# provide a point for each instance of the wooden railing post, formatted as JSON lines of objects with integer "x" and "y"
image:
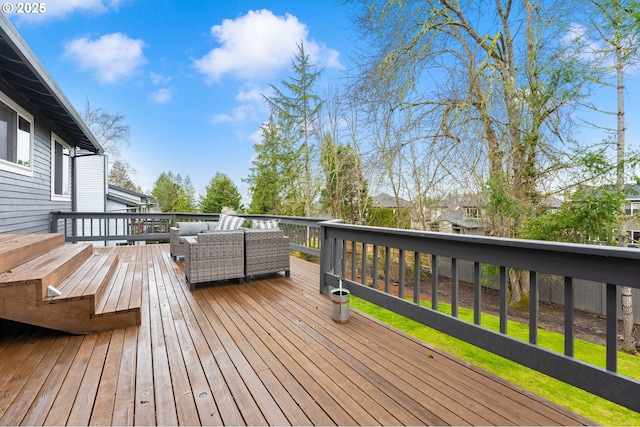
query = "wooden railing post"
{"x": 325, "y": 258}
{"x": 54, "y": 221}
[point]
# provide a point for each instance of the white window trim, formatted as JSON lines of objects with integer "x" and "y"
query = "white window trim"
{"x": 54, "y": 196}
{"x": 14, "y": 167}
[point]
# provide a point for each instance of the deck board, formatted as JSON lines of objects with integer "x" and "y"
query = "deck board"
{"x": 263, "y": 352}
{"x": 88, "y": 388}
{"x": 46, "y": 394}
{"x": 66, "y": 396}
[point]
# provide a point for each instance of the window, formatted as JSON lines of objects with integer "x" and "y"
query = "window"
{"x": 60, "y": 169}
{"x": 16, "y": 138}
{"x": 631, "y": 208}
{"x": 633, "y": 237}
{"x": 472, "y": 213}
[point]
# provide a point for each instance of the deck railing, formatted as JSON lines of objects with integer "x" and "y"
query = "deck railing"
{"x": 366, "y": 258}
{"x": 384, "y": 265}
{"x": 133, "y": 227}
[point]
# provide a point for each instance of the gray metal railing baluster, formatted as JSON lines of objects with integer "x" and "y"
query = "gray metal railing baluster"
{"x": 434, "y": 282}
{"x": 454, "y": 287}
{"x": 504, "y": 285}
{"x": 612, "y": 328}
{"x": 416, "y": 277}
{"x": 569, "y": 329}
{"x": 477, "y": 292}
{"x": 533, "y": 307}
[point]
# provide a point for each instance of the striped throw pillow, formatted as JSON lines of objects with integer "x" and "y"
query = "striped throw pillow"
{"x": 230, "y": 222}
{"x": 269, "y": 224}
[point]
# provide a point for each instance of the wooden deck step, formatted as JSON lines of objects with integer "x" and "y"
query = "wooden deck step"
{"x": 16, "y": 249}
{"x": 47, "y": 269}
{"x": 94, "y": 297}
{"x": 120, "y": 300}
{"x": 90, "y": 280}
{"x": 123, "y": 293}
{"x": 109, "y": 285}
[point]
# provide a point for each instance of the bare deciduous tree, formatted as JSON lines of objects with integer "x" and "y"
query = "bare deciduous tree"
{"x": 506, "y": 82}
{"x": 109, "y": 129}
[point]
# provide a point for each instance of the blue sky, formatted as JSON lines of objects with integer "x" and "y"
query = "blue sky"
{"x": 187, "y": 75}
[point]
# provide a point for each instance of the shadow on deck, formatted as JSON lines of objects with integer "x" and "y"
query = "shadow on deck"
{"x": 263, "y": 352}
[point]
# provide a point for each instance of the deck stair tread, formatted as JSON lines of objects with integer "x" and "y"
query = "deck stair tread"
{"x": 90, "y": 279}
{"x": 49, "y": 268}
{"x": 16, "y": 249}
{"x": 123, "y": 292}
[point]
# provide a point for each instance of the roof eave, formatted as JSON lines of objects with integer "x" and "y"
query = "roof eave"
{"x": 20, "y": 47}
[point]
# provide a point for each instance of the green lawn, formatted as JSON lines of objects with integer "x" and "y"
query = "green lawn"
{"x": 586, "y": 404}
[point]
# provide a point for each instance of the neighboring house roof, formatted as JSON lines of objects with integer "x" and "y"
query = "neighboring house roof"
{"x": 387, "y": 201}
{"x": 130, "y": 192}
{"x": 453, "y": 201}
{"x": 457, "y": 218}
{"x": 633, "y": 191}
{"x": 123, "y": 201}
{"x": 127, "y": 197}
{"x": 23, "y": 72}
{"x": 552, "y": 202}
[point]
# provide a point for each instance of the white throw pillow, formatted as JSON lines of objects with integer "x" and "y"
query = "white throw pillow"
{"x": 269, "y": 224}
{"x": 230, "y": 222}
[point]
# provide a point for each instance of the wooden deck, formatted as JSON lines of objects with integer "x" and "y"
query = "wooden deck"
{"x": 264, "y": 352}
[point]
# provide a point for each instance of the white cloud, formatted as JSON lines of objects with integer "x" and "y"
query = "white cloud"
{"x": 161, "y": 96}
{"x": 112, "y": 57}
{"x": 256, "y": 137}
{"x": 239, "y": 114}
{"x": 321, "y": 56}
{"x": 253, "y": 94}
{"x": 331, "y": 59}
{"x": 257, "y": 45}
{"x": 157, "y": 79}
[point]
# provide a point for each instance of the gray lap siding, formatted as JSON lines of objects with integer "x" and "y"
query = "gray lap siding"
{"x": 25, "y": 201}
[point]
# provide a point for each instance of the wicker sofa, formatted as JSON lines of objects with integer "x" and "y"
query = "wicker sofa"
{"x": 231, "y": 252}
{"x": 182, "y": 230}
{"x": 210, "y": 257}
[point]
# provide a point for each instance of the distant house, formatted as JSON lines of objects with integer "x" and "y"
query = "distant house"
{"x": 632, "y": 208}
{"x": 465, "y": 214}
{"x": 386, "y": 211}
{"x": 41, "y": 135}
{"x": 459, "y": 214}
{"x": 122, "y": 200}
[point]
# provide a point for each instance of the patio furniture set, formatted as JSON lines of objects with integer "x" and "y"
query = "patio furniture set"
{"x": 225, "y": 249}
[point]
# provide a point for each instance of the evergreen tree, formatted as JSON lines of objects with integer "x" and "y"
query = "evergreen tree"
{"x": 265, "y": 178}
{"x": 220, "y": 192}
{"x": 173, "y": 194}
{"x": 296, "y": 113}
{"x": 187, "y": 201}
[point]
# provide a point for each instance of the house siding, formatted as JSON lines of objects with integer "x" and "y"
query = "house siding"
{"x": 25, "y": 202}
{"x": 91, "y": 188}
